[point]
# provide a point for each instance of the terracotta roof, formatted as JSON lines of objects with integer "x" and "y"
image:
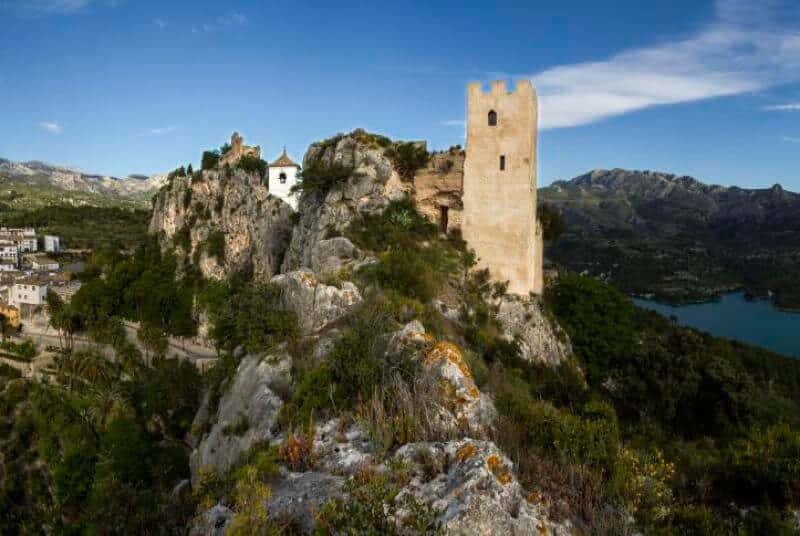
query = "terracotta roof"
{"x": 283, "y": 161}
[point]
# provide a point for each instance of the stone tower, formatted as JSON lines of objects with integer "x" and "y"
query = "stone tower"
{"x": 499, "y": 197}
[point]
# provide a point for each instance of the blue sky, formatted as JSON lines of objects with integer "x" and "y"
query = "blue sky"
{"x": 710, "y": 89}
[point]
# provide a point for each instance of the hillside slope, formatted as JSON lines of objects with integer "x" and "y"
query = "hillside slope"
{"x": 26, "y": 185}
{"x": 678, "y": 238}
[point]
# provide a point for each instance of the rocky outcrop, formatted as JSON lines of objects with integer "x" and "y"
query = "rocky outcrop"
{"x": 464, "y": 407}
{"x": 246, "y": 414}
{"x": 300, "y": 496}
{"x": 315, "y": 303}
{"x": 224, "y": 221}
{"x": 458, "y": 406}
{"x": 342, "y": 449}
{"x": 541, "y": 339}
{"x": 331, "y": 256}
{"x": 370, "y": 185}
{"x": 472, "y": 486}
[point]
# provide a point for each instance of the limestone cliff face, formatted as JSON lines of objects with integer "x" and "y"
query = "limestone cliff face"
{"x": 372, "y": 183}
{"x": 224, "y": 221}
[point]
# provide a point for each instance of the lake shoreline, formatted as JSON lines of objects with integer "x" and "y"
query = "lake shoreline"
{"x": 653, "y": 297}
{"x": 738, "y": 317}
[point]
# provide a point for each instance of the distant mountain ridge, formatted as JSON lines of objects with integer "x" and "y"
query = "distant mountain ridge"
{"x": 37, "y": 174}
{"x": 660, "y": 197}
{"x": 677, "y": 237}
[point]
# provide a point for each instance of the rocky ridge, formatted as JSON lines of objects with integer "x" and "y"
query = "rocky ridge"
{"x": 224, "y": 221}
{"x": 456, "y": 471}
{"x": 134, "y": 187}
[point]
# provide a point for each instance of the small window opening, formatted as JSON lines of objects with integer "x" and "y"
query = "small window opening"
{"x": 502, "y": 162}
{"x": 282, "y": 178}
{"x": 443, "y": 218}
{"x": 492, "y": 118}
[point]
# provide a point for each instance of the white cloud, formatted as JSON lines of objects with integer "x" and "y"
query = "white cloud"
{"x": 791, "y": 139}
{"x": 227, "y": 21}
{"x": 52, "y": 127}
{"x": 749, "y": 46}
{"x": 162, "y": 130}
{"x": 234, "y": 18}
{"x": 53, "y": 7}
{"x": 455, "y": 123}
{"x": 789, "y": 107}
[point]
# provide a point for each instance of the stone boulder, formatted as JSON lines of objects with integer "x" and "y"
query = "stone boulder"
{"x": 329, "y": 257}
{"x": 315, "y": 304}
{"x": 246, "y": 414}
{"x": 541, "y": 339}
{"x": 473, "y": 489}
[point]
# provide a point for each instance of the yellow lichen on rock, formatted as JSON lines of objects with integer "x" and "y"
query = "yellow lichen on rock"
{"x": 466, "y": 452}
{"x": 498, "y": 469}
{"x": 452, "y": 353}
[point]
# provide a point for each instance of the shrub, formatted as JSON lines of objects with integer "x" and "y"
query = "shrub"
{"x": 318, "y": 177}
{"x": 553, "y": 225}
{"x": 763, "y": 468}
{"x": 399, "y": 225}
{"x": 215, "y": 245}
{"x": 210, "y": 160}
{"x": 371, "y": 509}
{"x": 313, "y": 395}
{"x": 356, "y": 359}
{"x": 407, "y": 272}
{"x": 407, "y": 158}
{"x": 253, "y": 164}
{"x": 298, "y": 450}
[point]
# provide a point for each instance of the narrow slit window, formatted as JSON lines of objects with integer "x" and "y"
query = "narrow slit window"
{"x": 492, "y": 118}
{"x": 502, "y": 162}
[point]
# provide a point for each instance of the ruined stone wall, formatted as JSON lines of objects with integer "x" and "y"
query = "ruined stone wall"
{"x": 238, "y": 150}
{"x": 500, "y": 221}
{"x": 440, "y": 184}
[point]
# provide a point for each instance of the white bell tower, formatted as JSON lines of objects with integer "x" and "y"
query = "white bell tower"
{"x": 282, "y": 176}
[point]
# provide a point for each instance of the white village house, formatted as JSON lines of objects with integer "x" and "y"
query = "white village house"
{"x": 31, "y": 292}
{"x": 24, "y": 238}
{"x": 9, "y": 252}
{"x": 40, "y": 263}
{"x": 52, "y": 244}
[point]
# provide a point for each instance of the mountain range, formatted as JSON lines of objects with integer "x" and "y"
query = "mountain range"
{"x": 676, "y": 238}
{"x": 35, "y": 183}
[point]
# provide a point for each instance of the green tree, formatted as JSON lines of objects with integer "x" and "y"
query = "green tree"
{"x": 153, "y": 339}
